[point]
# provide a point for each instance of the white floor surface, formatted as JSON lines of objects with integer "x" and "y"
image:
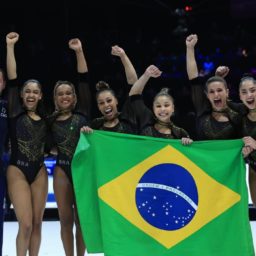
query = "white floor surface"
{"x": 51, "y": 243}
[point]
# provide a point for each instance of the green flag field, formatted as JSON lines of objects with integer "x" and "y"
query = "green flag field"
{"x": 139, "y": 196}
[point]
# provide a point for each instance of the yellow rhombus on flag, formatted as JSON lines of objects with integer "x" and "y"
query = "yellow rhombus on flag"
{"x": 208, "y": 208}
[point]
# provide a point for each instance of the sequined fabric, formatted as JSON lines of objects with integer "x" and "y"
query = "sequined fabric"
{"x": 66, "y": 134}
{"x": 31, "y": 136}
{"x": 176, "y": 132}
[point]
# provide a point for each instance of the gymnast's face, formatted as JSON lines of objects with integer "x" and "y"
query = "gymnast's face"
{"x": 247, "y": 92}
{"x": 163, "y": 108}
{"x": 65, "y": 98}
{"x": 217, "y": 94}
{"x": 107, "y": 104}
{"x": 31, "y": 94}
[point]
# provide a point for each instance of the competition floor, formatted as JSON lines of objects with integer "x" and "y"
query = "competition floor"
{"x": 51, "y": 243}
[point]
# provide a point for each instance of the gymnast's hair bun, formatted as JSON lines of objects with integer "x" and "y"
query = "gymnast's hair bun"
{"x": 164, "y": 91}
{"x": 101, "y": 85}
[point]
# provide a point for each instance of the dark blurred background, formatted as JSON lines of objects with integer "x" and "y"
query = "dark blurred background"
{"x": 151, "y": 32}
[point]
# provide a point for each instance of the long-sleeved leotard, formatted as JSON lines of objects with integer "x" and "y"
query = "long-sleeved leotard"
{"x": 28, "y": 136}
{"x": 66, "y": 133}
{"x": 207, "y": 127}
{"x": 127, "y": 121}
{"x": 146, "y": 121}
{"x": 249, "y": 129}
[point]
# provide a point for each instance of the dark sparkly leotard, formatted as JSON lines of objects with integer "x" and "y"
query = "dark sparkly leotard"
{"x": 146, "y": 121}
{"x": 249, "y": 129}
{"x": 209, "y": 128}
{"x": 127, "y": 121}
{"x": 66, "y": 133}
{"x": 27, "y": 136}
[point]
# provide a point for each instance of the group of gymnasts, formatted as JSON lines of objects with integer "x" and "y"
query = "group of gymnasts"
{"x": 33, "y": 133}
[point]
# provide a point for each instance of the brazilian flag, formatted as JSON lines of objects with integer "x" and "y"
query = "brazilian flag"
{"x": 140, "y": 196}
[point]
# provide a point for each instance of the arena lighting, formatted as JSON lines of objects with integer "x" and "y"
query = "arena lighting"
{"x": 50, "y": 164}
{"x": 188, "y": 8}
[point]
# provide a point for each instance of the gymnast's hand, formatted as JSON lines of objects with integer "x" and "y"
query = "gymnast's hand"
{"x": 191, "y": 41}
{"x": 153, "y": 71}
{"x": 75, "y": 44}
{"x": 117, "y": 51}
{"x": 186, "y": 141}
{"x": 86, "y": 129}
{"x": 246, "y": 151}
{"x": 249, "y": 142}
{"x": 222, "y": 71}
{"x": 12, "y": 38}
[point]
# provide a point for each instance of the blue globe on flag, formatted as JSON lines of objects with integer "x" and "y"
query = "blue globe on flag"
{"x": 167, "y": 196}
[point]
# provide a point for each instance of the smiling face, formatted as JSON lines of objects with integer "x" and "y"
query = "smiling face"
{"x": 163, "y": 108}
{"x": 107, "y": 104}
{"x": 247, "y": 92}
{"x": 217, "y": 94}
{"x": 31, "y": 94}
{"x": 65, "y": 98}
